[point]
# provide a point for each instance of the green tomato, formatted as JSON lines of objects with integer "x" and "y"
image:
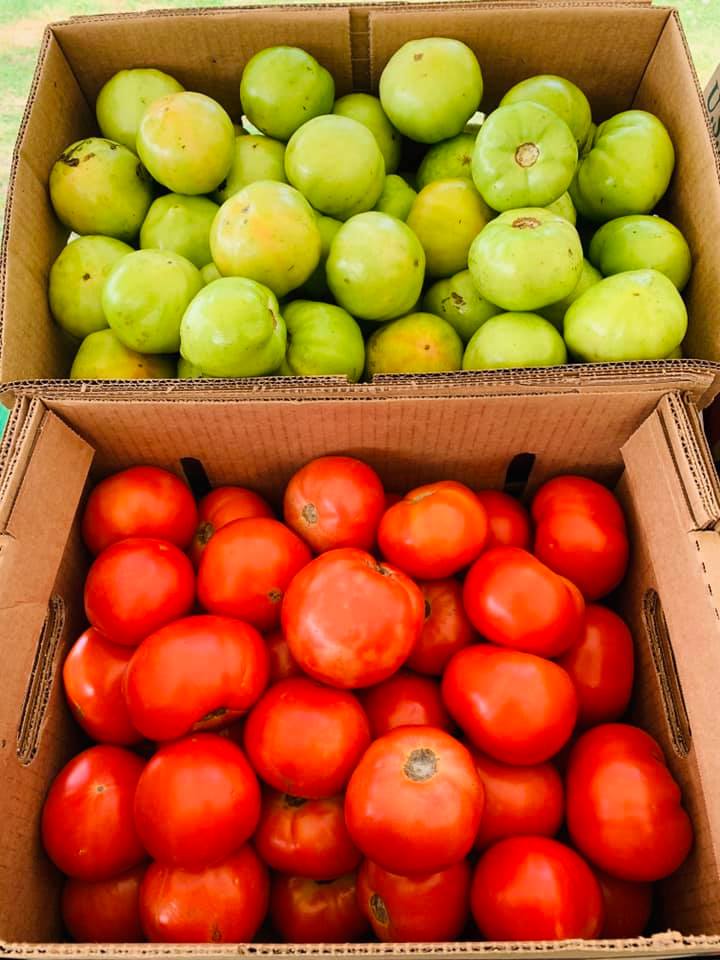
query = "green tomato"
{"x": 675, "y": 354}
{"x": 457, "y": 300}
{"x": 515, "y": 340}
{"x": 397, "y": 197}
{"x": 336, "y": 163}
{"x": 555, "y": 312}
{"x": 564, "y": 207}
{"x": 284, "y": 87}
{"x": 626, "y": 169}
{"x": 368, "y": 111}
{"x": 316, "y": 286}
{"x": 566, "y": 101}
{"x": 417, "y": 343}
{"x": 640, "y": 242}
{"x": 526, "y": 259}
{"x": 209, "y": 273}
{"x": 256, "y": 158}
{"x": 266, "y": 232}
{"x": 76, "y": 283}
{"x": 99, "y": 187}
{"x": 101, "y": 356}
{"x": 181, "y": 224}
{"x": 187, "y": 370}
{"x": 525, "y": 156}
{"x": 233, "y": 328}
{"x": 376, "y": 267}
{"x": 125, "y": 97}
{"x": 145, "y": 296}
{"x": 638, "y": 315}
{"x": 187, "y": 142}
{"x": 430, "y": 88}
{"x": 447, "y": 159}
{"x": 323, "y": 340}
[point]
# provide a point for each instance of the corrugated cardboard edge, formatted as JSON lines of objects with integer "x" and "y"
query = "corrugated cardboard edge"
{"x": 712, "y": 102}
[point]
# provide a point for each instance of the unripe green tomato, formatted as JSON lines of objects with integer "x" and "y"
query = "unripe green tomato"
{"x": 641, "y": 242}
{"x": 323, "y": 341}
{"x": 368, "y": 111}
{"x": 417, "y": 343}
{"x": 449, "y": 158}
{"x": 181, "y": 224}
{"x": 515, "y": 340}
{"x": 457, "y": 300}
{"x": 256, "y": 158}
{"x": 562, "y": 96}
{"x": 125, "y": 97}
{"x": 101, "y": 356}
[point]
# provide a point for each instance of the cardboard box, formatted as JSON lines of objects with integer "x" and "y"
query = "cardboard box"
{"x": 712, "y": 102}
{"x": 623, "y": 54}
{"x": 56, "y": 445}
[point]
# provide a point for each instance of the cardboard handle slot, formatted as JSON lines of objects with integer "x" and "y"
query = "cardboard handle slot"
{"x": 517, "y": 475}
{"x": 196, "y": 476}
{"x": 666, "y": 669}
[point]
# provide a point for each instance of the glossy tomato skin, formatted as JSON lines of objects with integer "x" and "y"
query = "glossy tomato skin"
{"x": 139, "y": 502}
{"x": 222, "y": 903}
{"x": 281, "y": 662}
{"x": 219, "y": 508}
{"x": 307, "y": 838}
{"x": 516, "y": 601}
{"x": 309, "y": 911}
{"x": 434, "y": 531}
{"x": 87, "y": 821}
{"x": 335, "y": 502}
{"x": 446, "y": 629}
{"x": 93, "y": 675}
{"x": 519, "y": 801}
{"x": 197, "y": 801}
{"x": 104, "y": 911}
{"x": 601, "y": 665}
{"x": 624, "y": 808}
{"x": 534, "y": 888}
{"x": 198, "y": 673}
{"x": 404, "y": 700}
{"x": 305, "y": 739}
{"x": 137, "y": 586}
{"x": 577, "y": 494}
{"x": 351, "y": 621}
{"x": 513, "y": 706}
{"x": 246, "y": 568}
{"x": 423, "y": 909}
{"x": 414, "y": 802}
{"x": 508, "y": 520}
{"x": 627, "y": 907}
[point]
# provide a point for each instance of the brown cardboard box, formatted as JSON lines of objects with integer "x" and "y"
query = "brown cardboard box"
{"x": 623, "y": 54}
{"x": 57, "y": 444}
{"x": 712, "y": 101}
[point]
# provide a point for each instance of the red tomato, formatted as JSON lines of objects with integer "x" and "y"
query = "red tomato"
{"x": 305, "y": 739}
{"x": 423, "y": 909}
{"x": 197, "y": 801}
{"x": 93, "y": 677}
{"x": 414, "y": 802}
{"x": 624, "y": 808}
{"x": 434, "y": 531}
{"x": 514, "y": 706}
{"x": 519, "y": 801}
{"x": 601, "y": 666}
{"x": 246, "y": 569}
{"x": 137, "y": 586}
{"x": 198, "y": 673}
{"x": 351, "y": 621}
{"x": 577, "y": 494}
{"x": 219, "y": 508}
{"x": 281, "y": 662}
{"x": 222, "y": 903}
{"x": 315, "y": 911}
{"x": 508, "y": 520}
{"x": 404, "y": 700}
{"x": 627, "y": 907}
{"x": 139, "y": 502}
{"x": 534, "y": 888}
{"x": 335, "y": 502}
{"x": 518, "y": 602}
{"x": 446, "y": 630}
{"x": 104, "y": 911}
{"x": 305, "y": 837}
{"x": 87, "y": 821}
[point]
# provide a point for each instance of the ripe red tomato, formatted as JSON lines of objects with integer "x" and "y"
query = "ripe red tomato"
{"x": 514, "y": 706}
{"x": 137, "y": 586}
{"x": 534, "y": 888}
{"x": 305, "y": 739}
{"x": 246, "y": 569}
{"x": 315, "y": 911}
{"x": 305, "y": 837}
{"x": 222, "y": 903}
{"x": 93, "y": 675}
{"x": 139, "y": 502}
{"x": 219, "y": 508}
{"x": 446, "y": 629}
{"x": 104, "y": 911}
{"x": 518, "y": 602}
{"x": 508, "y": 520}
{"x": 414, "y": 802}
{"x": 424, "y": 909}
{"x": 87, "y": 821}
{"x": 198, "y": 673}
{"x": 577, "y": 494}
{"x": 404, "y": 700}
{"x": 335, "y": 502}
{"x": 624, "y": 808}
{"x": 601, "y": 666}
{"x": 519, "y": 801}
{"x": 282, "y": 664}
{"x": 434, "y": 531}
{"x": 627, "y": 907}
{"x": 351, "y": 621}
{"x": 197, "y": 801}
